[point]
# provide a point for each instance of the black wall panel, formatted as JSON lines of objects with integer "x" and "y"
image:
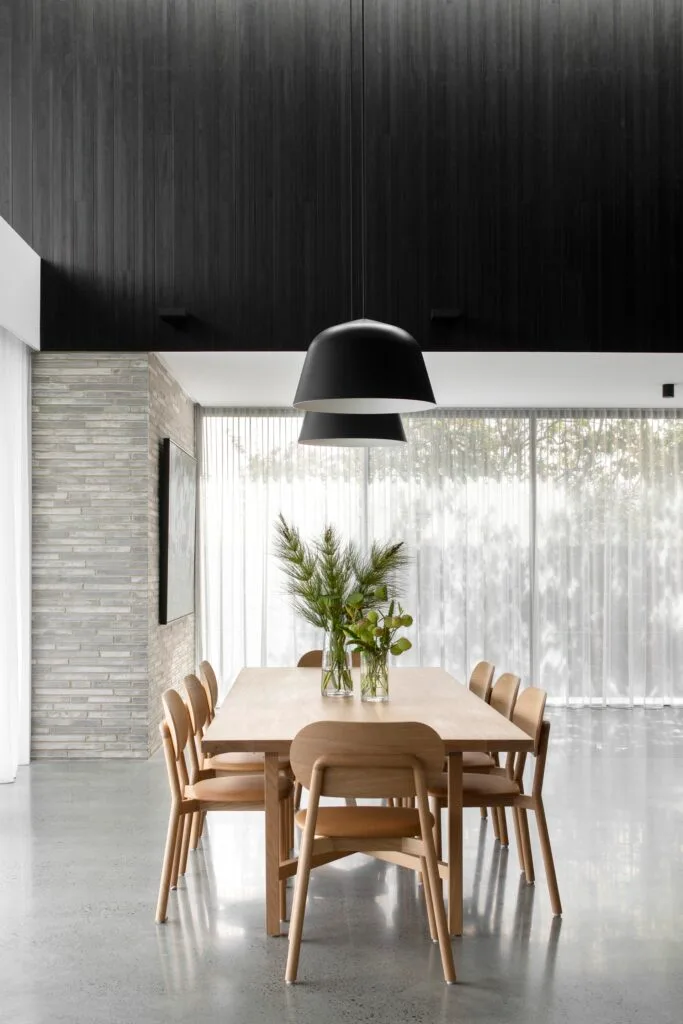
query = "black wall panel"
{"x": 180, "y": 153}
{"x": 524, "y": 163}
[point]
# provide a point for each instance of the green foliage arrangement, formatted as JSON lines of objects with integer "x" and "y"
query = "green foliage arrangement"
{"x": 329, "y": 581}
{"x": 375, "y": 633}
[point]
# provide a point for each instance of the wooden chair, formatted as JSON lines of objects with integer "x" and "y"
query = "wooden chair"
{"x": 314, "y": 659}
{"x": 199, "y": 791}
{"x": 505, "y": 788}
{"x": 243, "y": 763}
{"x": 479, "y": 684}
{"x": 482, "y": 679}
{"x": 210, "y": 684}
{"x": 367, "y": 759}
{"x": 502, "y": 698}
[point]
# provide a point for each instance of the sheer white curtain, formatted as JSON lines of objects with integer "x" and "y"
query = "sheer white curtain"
{"x": 549, "y": 543}
{"x": 609, "y": 557}
{"x": 458, "y": 494}
{"x": 15, "y": 555}
{"x": 251, "y": 469}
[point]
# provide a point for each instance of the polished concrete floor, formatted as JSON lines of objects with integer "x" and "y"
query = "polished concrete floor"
{"x": 80, "y": 851}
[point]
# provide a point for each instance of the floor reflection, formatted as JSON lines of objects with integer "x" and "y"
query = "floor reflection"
{"x": 79, "y": 870}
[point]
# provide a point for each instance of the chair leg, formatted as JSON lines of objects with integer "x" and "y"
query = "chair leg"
{"x": 296, "y": 924}
{"x": 196, "y": 829}
{"x": 167, "y": 866}
{"x": 290, "y": 824}
{"x": 526, "y": 847}
{"x": 503, "y": 827}
{"x": 284, "y": 837}
{"x": 350, "y": 801}
{"x": 182, "y": 867}
{"x": 496, "y": 822}
{"x": 434, "y": 882}
{"x": 548, "y": 858}
{"x": 297, "y": 796}
{"x": 518, "y": 837}
{"x": 484, "y": 812}
{"x": 178, "y": 848}
{"x": 424, "y": 875}
{"x": 436, "y": 814}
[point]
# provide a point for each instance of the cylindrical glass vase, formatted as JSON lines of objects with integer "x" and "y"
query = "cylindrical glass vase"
{"x": 374, "y": 677}
{"x": 336, "y": 680}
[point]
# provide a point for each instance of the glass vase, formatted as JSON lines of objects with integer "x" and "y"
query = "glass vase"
{"x": 336, "y": 678}
{"x": 374, "y": 677}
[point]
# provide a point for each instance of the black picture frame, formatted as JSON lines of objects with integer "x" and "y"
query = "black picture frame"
{"x": 177, "y": 526}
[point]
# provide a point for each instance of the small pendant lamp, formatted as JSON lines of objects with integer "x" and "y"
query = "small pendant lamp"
{"x": 337, "y": 430}
{"x": 364, "y": 367}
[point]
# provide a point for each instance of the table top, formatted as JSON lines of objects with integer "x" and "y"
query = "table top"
{"x": 266, "y": 707}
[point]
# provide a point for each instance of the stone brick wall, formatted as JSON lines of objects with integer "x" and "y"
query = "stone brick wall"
{"x": 100, "y": 659}
{"x": 171, "y": 647}
{"x": 90, "y": 555}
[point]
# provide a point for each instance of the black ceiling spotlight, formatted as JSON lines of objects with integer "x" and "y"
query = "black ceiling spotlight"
{"x": 364, "y": 367}
{"x": 335, "y": 430}
{"x": 175, "y": 316}
{"x": 667, "y": 390}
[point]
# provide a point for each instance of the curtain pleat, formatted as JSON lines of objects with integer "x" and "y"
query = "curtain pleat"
{"x": 578, "y": 516}
{"x": 609, "y": 557}
{"x": 15, "y": 555}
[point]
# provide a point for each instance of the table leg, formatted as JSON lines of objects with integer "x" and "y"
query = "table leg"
{"x": 455, "y": 844}
{"x": 271, "y": 772}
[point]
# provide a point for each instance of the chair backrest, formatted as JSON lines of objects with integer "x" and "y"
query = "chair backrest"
{"x": 504, "y": 694}
{"x": 528, "y": 713}
{"x": 198, "y": 705}
{"x": 481, "y": 679}
{"x": 311, "y": 659}
{"x": 366, "y": 759}
{"x": 314, "y": 659}
{"x": 210, "y": 684}
{"x": 176, "y": 730}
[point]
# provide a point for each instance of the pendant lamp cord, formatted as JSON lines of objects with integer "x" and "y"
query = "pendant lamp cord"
{"x": 363, "y": 207}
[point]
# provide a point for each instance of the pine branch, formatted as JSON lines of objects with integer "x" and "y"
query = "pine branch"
{"x": 320, "y": 578}
{"x": 386, "y": 565}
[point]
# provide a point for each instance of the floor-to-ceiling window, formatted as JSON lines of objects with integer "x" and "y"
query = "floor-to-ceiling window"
{"x": 549, "y": 542}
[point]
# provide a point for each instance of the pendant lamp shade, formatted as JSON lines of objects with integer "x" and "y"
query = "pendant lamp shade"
{"x": 364, "y": 367}
{"x": 343, "y": 431}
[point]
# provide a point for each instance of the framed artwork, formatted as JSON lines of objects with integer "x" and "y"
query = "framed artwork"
{"x": 177, "y": 513}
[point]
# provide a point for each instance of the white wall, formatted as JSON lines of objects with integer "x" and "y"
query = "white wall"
{"x": 19, "y": 287}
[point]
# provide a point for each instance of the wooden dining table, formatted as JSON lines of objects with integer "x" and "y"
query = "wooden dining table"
{"x": 266, "y": 707}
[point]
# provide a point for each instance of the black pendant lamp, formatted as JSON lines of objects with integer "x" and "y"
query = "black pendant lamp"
{"x": 364, "y": 367}
{"x": 337, "y": 430}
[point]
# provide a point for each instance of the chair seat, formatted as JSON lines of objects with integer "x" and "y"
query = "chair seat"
{"x": 365, "y": 822}
{"x": 242, "y": 762}
{"x": 235, "y": 789}
{"x": 488, "y": 790}
{"x": 473, "y": 761}
{"x": 478, "y": 789}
